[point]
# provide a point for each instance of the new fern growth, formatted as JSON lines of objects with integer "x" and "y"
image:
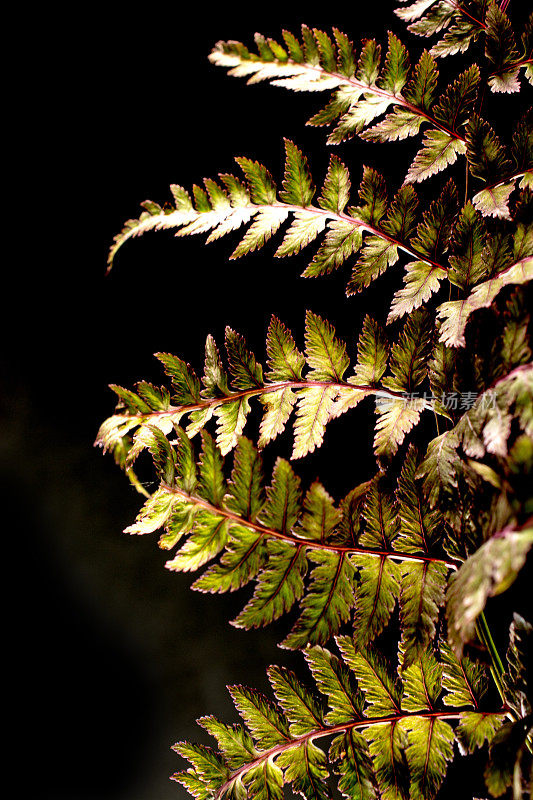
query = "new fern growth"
{"x": 390, "y": 583}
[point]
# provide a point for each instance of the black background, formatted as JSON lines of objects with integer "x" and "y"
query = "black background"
{"x": 114, "y": 657}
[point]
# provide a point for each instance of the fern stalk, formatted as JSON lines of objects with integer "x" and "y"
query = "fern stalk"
{"x": 394, "y": 555}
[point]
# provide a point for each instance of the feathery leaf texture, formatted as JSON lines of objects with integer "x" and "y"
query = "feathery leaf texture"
{"x": 445, "y": 242}
{"x": 388, "y": 226}
{"x": 390, "y": 738}
{"x": 461, "y": 23}
{"x": 364, "y": 90}
{"x": 323, "y": 393}
{"x": 339, "y": 563}
{"x": 412, "y": 556}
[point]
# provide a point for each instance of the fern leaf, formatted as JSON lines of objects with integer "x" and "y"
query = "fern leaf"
{"x": 300, "y": 706}
{"x": 489, "y": 571}
{"x": 429, "y": 750}
{"x": 420, "y": 528}
{"x": 279, "y": 586}
{"x": 262, "y": 717}
{"x": 285, "y": 362}
{"x": 375, "y": 597}
{"x": 467, "y": 266}
{"x": 381, "y": 692}
{"x": 155, "y": 512}
{"x": 266, "y": 222}
{"x": 244, "y": 556}
{"x": 421, "y": 280}
{"x": 214, "y": 378}
{"x": 421, "y": 90}
{"x": 377, "y": 255}
{"x": 408, "y": 361}
{"x": 298, "y": 186}
{"x": 431, "y": 21}
{"x": 211, "y": 476}
{"x": 372, "y": 197}
{"x": 380, "y": 252}
{"x": 320, "y": 517}
{"x": 464, "y": 681}
{"x": 476, "y": 728}
{"x": 343, "y": 238}
{"x": 185, "y": 384}
{"x": 387, "y": 744}
{"x": 234, "y": 743}
{"x": 372, "y": 354}
{"x": 422, "y": 683}
{"x": 328, "y": 602}
{"x": 209, "y": 538}
{"x": 357, "y": 779}
{"x": 210, "y": 769}
{"x": 325, "y": 355}
{"x": 305, "y": 768}
{"x": 397, "y": 125}
{"x": 487, "y": 156}
{"x": 245, "y": 495}
{"x": 423, "y": 587}
{"x": 278, "y": 408}
{"x": 231, "y": 419}
{"x": 303, "y": 230}
{"x": 312, "y": 414}
{"x": 380, "y": 512}
{"x": 336, "y": 682}
{"x": 439, "y": 150}
{"x": 501, "y": 51}
{"x": 457, "y": 38}
{"x": 244, "y": 371}
{"x": 336, "y": 189}
{"x": 460, "y": 24}
{"x": 265, "y": 782}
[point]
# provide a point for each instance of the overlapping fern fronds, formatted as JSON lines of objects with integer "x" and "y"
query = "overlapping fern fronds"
{"x": 412, "y": 556}
{"x": 392, "y": 738}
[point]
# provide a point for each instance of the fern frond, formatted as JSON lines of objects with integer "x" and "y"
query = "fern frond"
{"x": 388, "y": 227}
{"x": 323, "y": 393}
{"x": 297, "y": 547}
{"x": 392, "y": 741}
{"x": 365, "y": 92}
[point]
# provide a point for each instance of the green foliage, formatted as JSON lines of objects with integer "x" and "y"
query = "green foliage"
{"x": 390, "y": 738}
{"x": 405, "y": 571}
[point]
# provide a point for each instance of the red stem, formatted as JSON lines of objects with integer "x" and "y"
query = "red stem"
{"x": 296, "y": 540}
{"x": 321, "y": 733}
